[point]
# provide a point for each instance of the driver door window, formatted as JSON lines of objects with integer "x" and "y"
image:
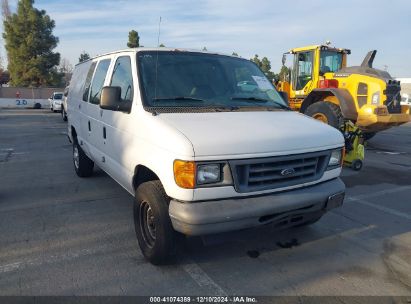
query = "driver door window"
{"x": 304, "y": 71}
{"x": 122, "y": 77}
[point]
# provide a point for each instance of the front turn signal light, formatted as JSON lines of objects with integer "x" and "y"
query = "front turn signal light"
{"x": 185, "y": 174}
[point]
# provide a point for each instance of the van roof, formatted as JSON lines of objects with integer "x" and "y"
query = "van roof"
{"x": 161, "y": 49}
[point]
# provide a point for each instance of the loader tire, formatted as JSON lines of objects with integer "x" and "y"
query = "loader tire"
{"x": 326, "y": 112}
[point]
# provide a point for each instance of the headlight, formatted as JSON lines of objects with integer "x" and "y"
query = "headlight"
{"x": 207, "y": 174}
{"x": 336, "y": 159}
{"x": 189, "y": 174}
{"x": 376, "y": 98}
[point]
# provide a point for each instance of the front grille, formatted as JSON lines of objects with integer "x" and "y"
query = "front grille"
{"x": 393, "y": 101}
{"x": 271, "y": 173}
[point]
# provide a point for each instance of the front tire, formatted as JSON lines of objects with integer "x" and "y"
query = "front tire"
{"x": 155, "y": 234}
{"x": 83, "y": 165}
{"x": 326, "y": 112}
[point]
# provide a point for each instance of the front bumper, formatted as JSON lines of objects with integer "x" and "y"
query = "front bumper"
{"x": 287, "y": 208}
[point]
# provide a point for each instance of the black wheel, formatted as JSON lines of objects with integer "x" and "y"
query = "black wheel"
{"x": 51, "y": 109}
{"x": 326, "y": 112}
{"x": 154, "y": 231}
{"x": 368, "y": 136}
{"x": 82, "y": 163}
{"x": 356, "y": 165}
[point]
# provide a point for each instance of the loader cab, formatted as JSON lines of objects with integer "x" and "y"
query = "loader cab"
{"x": 311, "y": 64}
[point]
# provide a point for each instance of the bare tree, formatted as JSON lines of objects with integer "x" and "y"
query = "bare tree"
{"x": 6, "y": 13}
{"x": 5, "y": 9}
{"x": 65, "y": 66}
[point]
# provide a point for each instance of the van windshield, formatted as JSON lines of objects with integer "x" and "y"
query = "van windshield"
{"x": 196, "y": 80}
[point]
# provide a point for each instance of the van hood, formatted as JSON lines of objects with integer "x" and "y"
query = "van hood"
{"x": 251, "y": 133}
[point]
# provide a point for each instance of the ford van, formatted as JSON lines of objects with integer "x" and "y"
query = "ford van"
{"x": 203, "y": 142}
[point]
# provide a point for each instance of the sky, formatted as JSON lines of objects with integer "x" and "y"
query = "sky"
{"x": 263, "y": 27}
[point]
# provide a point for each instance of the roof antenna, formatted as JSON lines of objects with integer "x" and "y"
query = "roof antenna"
{"x": 158, "y": 37}
{"x": 158, "y": 45}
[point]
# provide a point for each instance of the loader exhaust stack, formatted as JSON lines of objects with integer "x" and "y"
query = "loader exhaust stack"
{"x": 369, "y": 59}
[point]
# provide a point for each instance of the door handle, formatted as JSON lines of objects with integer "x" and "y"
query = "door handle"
{"x": 104, "y": 132}
{"x": 89, "y": 126}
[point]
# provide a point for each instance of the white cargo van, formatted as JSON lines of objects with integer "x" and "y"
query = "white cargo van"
{"x": 201, "y": 152}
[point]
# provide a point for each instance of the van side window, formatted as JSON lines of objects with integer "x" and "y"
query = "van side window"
{"x": 123, "y": 78}
{"x": 98, "y": 81}
{"x": 88, "y": 81}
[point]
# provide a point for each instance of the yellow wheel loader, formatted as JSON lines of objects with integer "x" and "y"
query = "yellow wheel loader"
{"x": 322, "y": 86}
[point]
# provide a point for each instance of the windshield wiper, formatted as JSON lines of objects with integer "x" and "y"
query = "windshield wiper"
{"x": 250, "y": 98}
{"x": 178, "y": 98}
{"x": 257, "y": 99}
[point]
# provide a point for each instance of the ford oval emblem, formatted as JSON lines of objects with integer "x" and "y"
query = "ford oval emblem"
{"x": 287, "y": 172}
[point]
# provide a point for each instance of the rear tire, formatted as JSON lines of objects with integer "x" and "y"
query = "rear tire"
{"x": 326, "y": 112}
{"x": 155, "y": 234}
{"x": 83, "y": 165}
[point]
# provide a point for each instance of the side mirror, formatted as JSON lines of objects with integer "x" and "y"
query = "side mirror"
{"x": 283, "y": 59}
{"x": 110, "y": 98}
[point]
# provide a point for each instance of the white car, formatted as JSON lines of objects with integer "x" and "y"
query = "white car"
{"x": 55, "y": 101}
{"x": 405, "y": 100}
{"x": 200, "y": 154}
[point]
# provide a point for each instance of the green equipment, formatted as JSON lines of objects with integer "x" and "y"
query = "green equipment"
{"x": 354, "y": 145}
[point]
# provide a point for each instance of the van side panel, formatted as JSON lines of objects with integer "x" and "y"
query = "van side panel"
{"x": 75, "y": 98}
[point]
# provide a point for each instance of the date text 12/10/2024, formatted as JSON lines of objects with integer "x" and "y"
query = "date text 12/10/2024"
{"x": 205, "y": 299}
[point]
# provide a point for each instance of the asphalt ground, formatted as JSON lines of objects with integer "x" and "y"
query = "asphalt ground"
{"x": 62, "y": 235}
